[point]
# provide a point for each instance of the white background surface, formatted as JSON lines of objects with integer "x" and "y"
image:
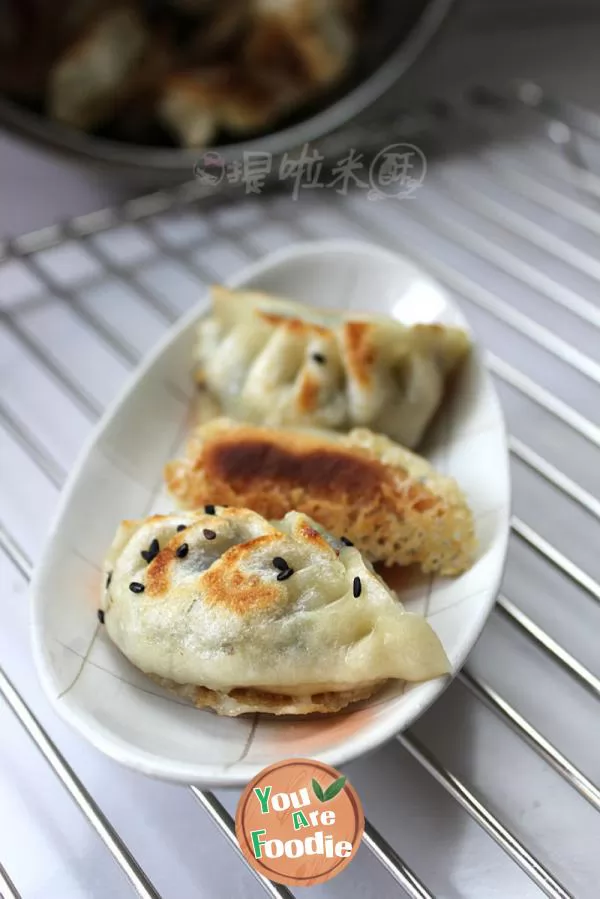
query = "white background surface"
{"x": 45, "y": 843}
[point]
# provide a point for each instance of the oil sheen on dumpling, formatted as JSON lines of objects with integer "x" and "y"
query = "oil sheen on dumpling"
{"x": 242, "y": 614}
{"x": 276, "y": 362}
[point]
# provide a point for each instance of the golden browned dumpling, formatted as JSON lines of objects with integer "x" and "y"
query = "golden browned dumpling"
{"x": 242, "y": 614}
{"x": 361, "y": 486}
{"x": 276, "y": 362}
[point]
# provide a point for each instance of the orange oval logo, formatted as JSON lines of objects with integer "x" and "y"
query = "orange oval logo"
{"x": 299, "y": 822}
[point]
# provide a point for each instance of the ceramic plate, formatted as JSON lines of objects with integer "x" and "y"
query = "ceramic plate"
{"x": 119, "y": 476}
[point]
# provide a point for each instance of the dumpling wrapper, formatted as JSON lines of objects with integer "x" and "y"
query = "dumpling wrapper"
{"x": 276, "y": 362}
{"x": 387, "y": 500}
{"x": 226, "y": 627}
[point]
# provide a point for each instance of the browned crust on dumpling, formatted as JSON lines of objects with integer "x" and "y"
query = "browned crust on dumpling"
{"x": 359, "y": 349}
{"x": 296, "y": 325}
{"x": 308, "y": 394}
{"x": 390, "y": 514}
{"x": 252, "y": 455}
{"x": 247, "y": 700}
{"x": 228, "y": 585}
{"x": 158, "y": 576}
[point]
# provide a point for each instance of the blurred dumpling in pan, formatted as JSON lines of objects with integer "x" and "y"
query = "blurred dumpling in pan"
{"x": 243, "y": 615}
{"x": 308, "y": 43}
{"x": 361, "y": 486}
{"x": 290, "y": 49}
{"x": 195, "y": 105}
{"x": 276, "y": 362}
{"x": 88, "y": 81}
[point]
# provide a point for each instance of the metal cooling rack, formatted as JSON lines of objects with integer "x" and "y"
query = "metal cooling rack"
{"x": 493, "y": 792}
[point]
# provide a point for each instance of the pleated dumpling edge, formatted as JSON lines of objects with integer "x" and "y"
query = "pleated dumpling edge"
{"x": 274, "y": 361}
{"x": 223, "y": 600}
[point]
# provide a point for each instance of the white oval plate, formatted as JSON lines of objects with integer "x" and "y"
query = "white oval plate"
{"x": 119, "y": 476}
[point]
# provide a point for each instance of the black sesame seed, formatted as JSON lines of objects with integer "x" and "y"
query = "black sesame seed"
{"x": 210, "y": 535}
{"x": 284, "y": 575}
{"x": 136, "y": 587}
{"x": 181, "y": 527}
{"x": 346, "y": 542}
{"x": 280, "y": 564}
{"x": 101, "y": 616}
{"x": 149, "y": 554}
{"x": 356, "y": 587}
{"x": 210, "y": 510}
{"x": 108, "y": 579}
{"x": 320, "y": 358}
{"x": 182, "y": 551}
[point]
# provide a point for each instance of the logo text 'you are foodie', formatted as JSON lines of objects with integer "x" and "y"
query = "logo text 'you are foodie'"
{"x": 318, "y": 843}
{"x": 299, "y": 822}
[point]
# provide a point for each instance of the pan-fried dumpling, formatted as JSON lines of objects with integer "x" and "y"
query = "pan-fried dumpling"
{"x": 88, "y": 81}
{"x": 304, "y": 43}
{"x": 195, "y": 104}
{"x": 385, "y": 499}
{"x": 277, "y": 362}
{"x": 289, "y": 51}
{"x": 242, "y": 614}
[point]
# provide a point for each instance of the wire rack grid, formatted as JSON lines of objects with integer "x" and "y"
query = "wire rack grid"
{"x": 495, "y": 789}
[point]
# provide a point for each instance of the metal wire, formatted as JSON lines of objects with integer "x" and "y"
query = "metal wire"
{"x": 79, "y": 794}
{"x": 221, "y": 817}
{"x": 524, "y": 179}
{"x": 483, "y": 297}
{"x": 141, "y": 209}
{"x": 167, "y": 314}
{"x": 509, "y": 262}
{"x": 14, "y": 553}
{"x": 7, "y": 888}
{"x": 109, "y": 836}
{"x": 87, "y": 404}
{"x": 528, "y": 732}
{"x": 556, "y": 558}
{"x": 543, "y": 398}
{"x": 542, "y": 746}
{"x": 31, "y": 445}
{"x": 526, "y": 184}
{"x": 70, "y": 297}
{"x": 545, "y": 642}
{"x": 540, "y": 336}
{"x": 516, "y": 223}
{"x": 394, "y": 864}
{"x": 478, "y": 811}
{"x": 554, "y": 476}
